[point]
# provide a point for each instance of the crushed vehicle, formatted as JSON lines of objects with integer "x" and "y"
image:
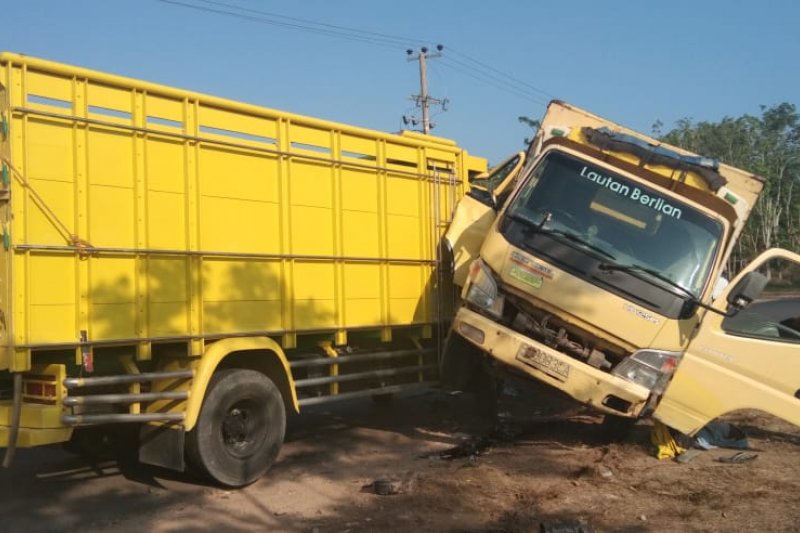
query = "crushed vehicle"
{"x": 595, "y": 267}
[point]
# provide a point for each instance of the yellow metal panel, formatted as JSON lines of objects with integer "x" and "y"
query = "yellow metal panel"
{"x": 311, "y": 185}
{"x": 166, "y": 169}
{"x": 227, "y": 317}
{"x": 112, "y": 321}
{"x": 166, "y": 279}
{"x": 41, "y": 228}
{"x": 231, "y": 225}
{"x": 166, "y": 220}
{"x": 110, "y": 158}
{"x": 311, "y": 136}
{"x": 237, "y": 122}
{"x": 48, "y": 85}
{"x": 238, "y": 174}
{"x": 405, "y": 288}
{"x": 360, "y": 236}
{"x": 361, "y": 312}
{"x": 404, "y": 281}
{"x": 111, "y": 216}
{"x": 398, "y": 152}
{"x": 241, "y": 295}
{"x": 49, "y": 150}
{"x": 359, "y": 145}
{"x": 312, "y": 232}
{"x": 52, "y": 279}
{"x": 165, "y": 108}
{"x": 313, "y": 280}
{"x": 112, "y": 297}
{"x": 241, "y": 280}
{"x": 404, "y": 234}
{"x": 359, "y": 191}
{"x": 113, "y": 279}
{"x": 168, "y": 318}
{"x": 51, "y": 323}
{"x": 362, "y": 290}
{"x": 109, "y": 97}
{"x": 402, "y": 196}
{"x": 362, "y": 281}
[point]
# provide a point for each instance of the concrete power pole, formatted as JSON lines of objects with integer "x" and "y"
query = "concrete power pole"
{"x": 422, "y": 99}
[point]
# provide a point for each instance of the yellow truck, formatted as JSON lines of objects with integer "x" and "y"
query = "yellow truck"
{"x": 201, "y": 267}
{"x": 594, "y": 265}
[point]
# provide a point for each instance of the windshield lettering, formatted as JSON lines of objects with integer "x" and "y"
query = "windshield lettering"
{"x": 634, "y": 193}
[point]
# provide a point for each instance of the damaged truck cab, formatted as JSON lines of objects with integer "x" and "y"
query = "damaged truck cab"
{"x": 600, "y": 275}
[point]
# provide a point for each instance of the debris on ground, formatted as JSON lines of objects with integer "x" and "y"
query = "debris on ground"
{"x": 391, "y": 486}
{"x": 383, "y": 487}
{"x": 665, "y": 445}
{"x": 688, "y": 456}
{"x": 467, "y": 449}
{"x": 721, "y": 435}
{"x": 740, "y": 457}
{"x": 565, "y": 526}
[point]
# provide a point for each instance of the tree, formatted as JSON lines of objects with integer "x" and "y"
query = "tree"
{"x": 769, "y": 146}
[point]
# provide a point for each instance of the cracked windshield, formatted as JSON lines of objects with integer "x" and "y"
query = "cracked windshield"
{"x": 627, "y": 224}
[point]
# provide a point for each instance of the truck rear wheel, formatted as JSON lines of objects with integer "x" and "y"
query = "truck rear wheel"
{"x": 240, "y": 428}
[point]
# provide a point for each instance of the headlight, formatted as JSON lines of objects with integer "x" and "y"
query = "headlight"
{"x": 481, "y": 289}
{"x": 649, "y": 368}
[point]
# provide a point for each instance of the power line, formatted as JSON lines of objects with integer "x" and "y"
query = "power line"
{"x": 544, "y": 93}
{"x": 475, "y": 69}
{"x": 492, "y": 80}
{"x": 265, "y": 17}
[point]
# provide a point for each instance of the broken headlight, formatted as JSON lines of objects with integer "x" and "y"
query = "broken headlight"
{"x": 649, "y": 368}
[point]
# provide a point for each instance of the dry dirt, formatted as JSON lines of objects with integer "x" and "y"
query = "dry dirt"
{"x": 446, "y": 470}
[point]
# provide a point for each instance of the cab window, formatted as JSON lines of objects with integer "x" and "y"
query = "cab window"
{"x": 775, "y": 313}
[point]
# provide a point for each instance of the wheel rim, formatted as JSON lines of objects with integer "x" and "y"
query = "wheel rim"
{"x": 242, "y": 429}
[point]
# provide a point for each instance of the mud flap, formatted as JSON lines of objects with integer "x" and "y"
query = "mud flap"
{"x": 162, "y": 446}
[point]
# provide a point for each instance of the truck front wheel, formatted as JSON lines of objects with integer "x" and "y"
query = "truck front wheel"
{"x": 240, "y": 428}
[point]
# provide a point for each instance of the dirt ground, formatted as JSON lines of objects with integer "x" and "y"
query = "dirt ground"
{"x": 541, "y": 468}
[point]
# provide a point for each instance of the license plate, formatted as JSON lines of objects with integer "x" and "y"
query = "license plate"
{"x": 545, "y": 362}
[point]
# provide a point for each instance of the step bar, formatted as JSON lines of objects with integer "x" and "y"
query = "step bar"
{"x": 89, "y": 419}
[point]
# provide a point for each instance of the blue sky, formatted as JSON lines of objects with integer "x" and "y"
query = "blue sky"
{"x": 633, "y": 62}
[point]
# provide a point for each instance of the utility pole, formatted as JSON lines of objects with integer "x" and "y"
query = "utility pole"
{"x": 422, "y": 99}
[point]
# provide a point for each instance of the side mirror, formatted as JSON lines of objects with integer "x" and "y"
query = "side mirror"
{"x": 747, "y": 290}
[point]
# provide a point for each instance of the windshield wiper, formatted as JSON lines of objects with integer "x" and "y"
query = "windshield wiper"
{"x": 538, "y": 227}
{"x": 634, "y": 269}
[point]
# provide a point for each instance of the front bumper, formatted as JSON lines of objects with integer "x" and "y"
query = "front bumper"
{"x": 39, "y": 425}
{"x": 585, "y": 383}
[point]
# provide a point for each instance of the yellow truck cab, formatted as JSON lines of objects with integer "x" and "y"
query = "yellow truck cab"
{"x": 600, "y": 275}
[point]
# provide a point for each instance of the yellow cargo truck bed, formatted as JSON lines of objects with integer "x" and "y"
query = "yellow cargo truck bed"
{"x": 134, "y": 213}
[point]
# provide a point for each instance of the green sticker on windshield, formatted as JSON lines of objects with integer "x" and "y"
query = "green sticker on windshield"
{"x": 525, "y": 277}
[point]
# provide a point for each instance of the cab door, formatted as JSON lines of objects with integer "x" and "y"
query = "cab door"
{"x": 476, "y": 211}
{"x": 749, "y": 359}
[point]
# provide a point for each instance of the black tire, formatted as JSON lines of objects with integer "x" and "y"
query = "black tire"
{"x": 240, "y": 428}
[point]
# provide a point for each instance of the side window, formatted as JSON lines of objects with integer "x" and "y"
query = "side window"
{"x": 482, "y": 189}
{"x": 775, "y": 313}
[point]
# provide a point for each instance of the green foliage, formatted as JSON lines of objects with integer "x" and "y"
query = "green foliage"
{"x": 768, "y": 145}
{"x": 533, "y": 123}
